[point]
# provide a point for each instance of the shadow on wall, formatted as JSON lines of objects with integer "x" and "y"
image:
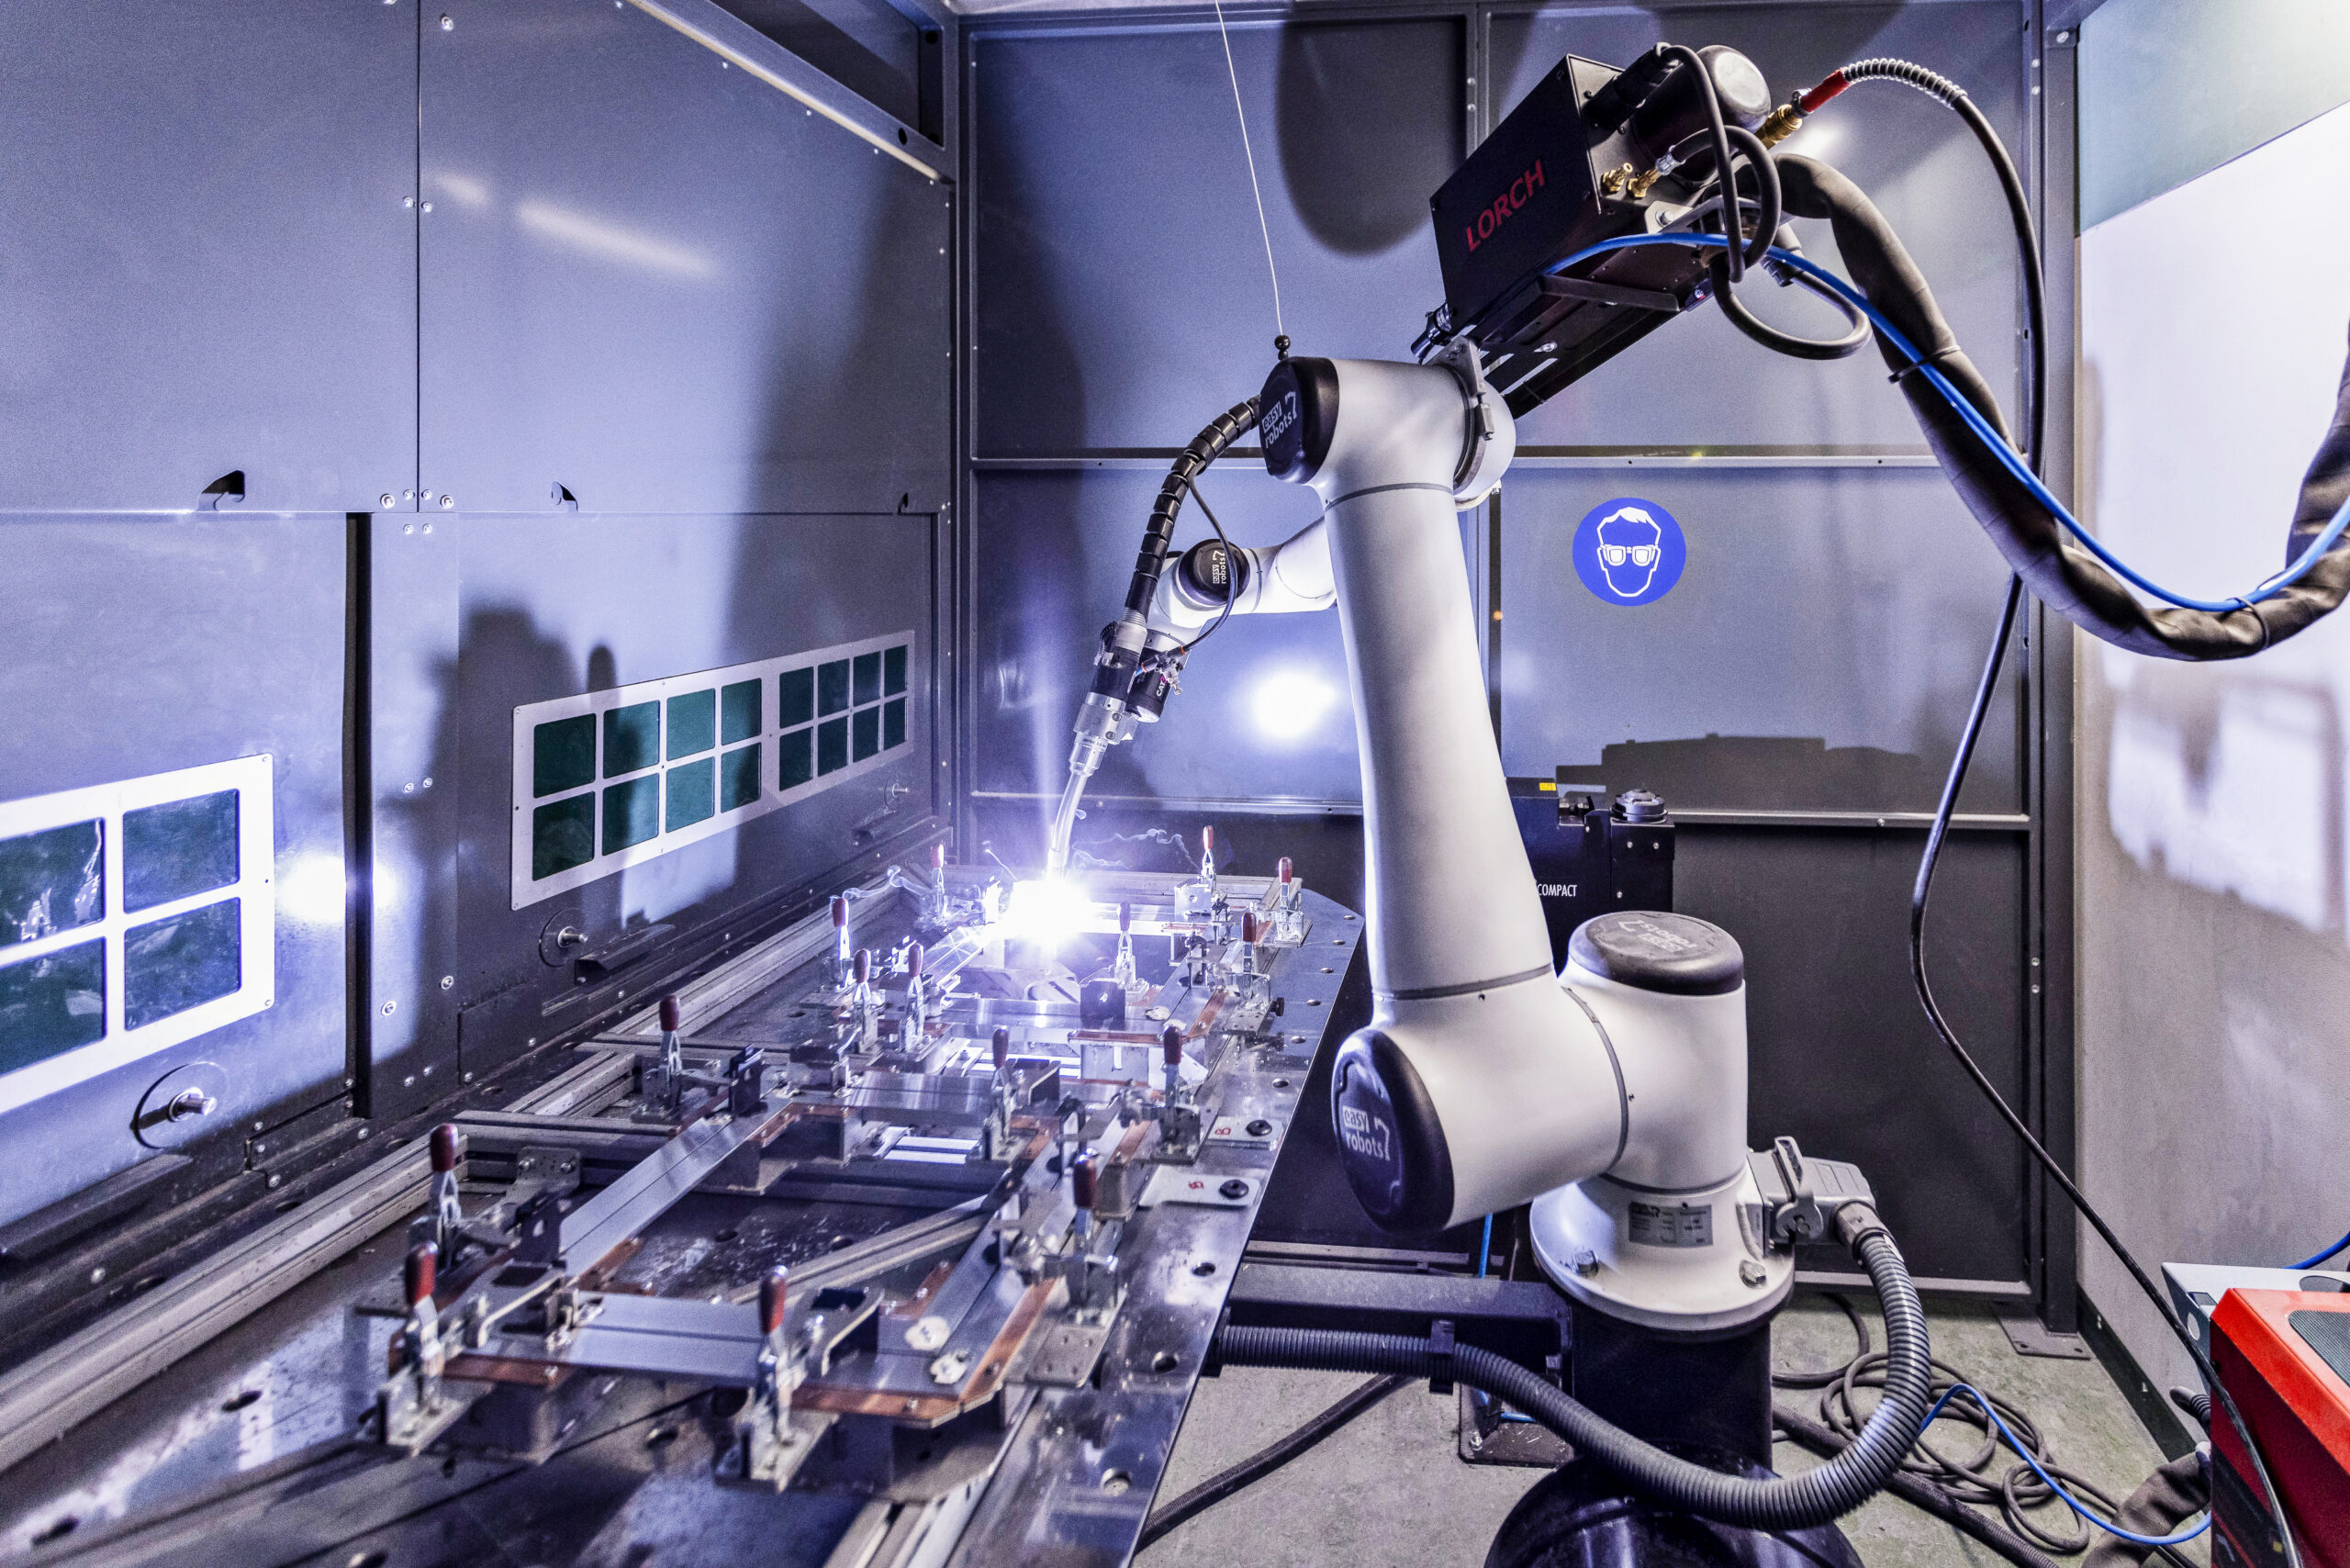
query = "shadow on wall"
{"x": 2233, "y": 784}
{"x": 1358, "y": 177}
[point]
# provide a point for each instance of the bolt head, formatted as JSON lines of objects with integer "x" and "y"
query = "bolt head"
{"x": 275, "y": 1179}
{"x": 1750, "y": 1273}
{"x": 447, "y": 981}
{"x": 390, "y": 1008}
{"x": 447, "y": 501}
{"x": 408, "y": 1083}
{"x": 97, "y": 1276}
{"x": 448, "y": 24}
{"x": 386, "y": 498}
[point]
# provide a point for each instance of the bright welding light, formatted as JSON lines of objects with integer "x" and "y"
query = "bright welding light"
{"x": 1290, "y": 704}
{"x": 310, "y": 889}
{"x": 1049, "y": 909}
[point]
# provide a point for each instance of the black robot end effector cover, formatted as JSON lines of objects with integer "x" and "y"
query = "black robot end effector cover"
{"x": 1586, "y": 156}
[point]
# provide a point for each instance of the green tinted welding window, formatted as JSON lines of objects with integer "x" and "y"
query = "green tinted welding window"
{"x": 795, "y": 759}
{"x": 738, "y": 778}
{"x": 562, "y": 756}
{"x": 868, "y": 732}
{"x": 631, "y": 739}
{"x": 893, "y": 724}
{"x": 562, "y": 835}
{"x": 832, "y": 745}
{"x": 170, "y": 966}
{"x": 53, "y": 1004}
{"x": 832, "y": 687}
{"x": 693, "y": 794}
{"x": 868, "y": 677}
{"x": 893, "y": 670}
{"x": 795, "y": 697}
{"x": 632, "y": 813}
{"x": 739, "y": 712}
{"x": 693, "y": 723}
{"x": 51, "y": 881}
{"x": 179, "y": 848}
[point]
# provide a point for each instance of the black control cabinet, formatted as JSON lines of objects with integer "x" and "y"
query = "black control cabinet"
{"x": 1592, "y": 856}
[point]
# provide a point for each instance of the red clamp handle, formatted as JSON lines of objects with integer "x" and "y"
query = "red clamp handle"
{"x": 772, "y": 1291}
{"x": 669, "y": 1014}
{"x": 421, "y": 1272}
{"x": 444, "y": 1148}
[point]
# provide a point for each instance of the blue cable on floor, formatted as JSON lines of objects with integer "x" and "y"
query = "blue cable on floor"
{"x": 2050, "y": 1482}
{"x": 2007, "y": 455}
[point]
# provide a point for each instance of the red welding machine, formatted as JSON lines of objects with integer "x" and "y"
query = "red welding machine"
{"x": 2284, "y": 1358}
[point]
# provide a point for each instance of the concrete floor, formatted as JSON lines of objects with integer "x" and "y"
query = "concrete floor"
{"x": 1389, "y": 1492}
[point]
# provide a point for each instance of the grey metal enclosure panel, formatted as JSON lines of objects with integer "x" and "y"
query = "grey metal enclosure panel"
{"x": 140, "y": 646}
{"x": 408, "y": 1019}
{"x": 1840, "y": 1056}
{"x": 1265, "y": 712}
{"x": 553, "y": 607}
{"x": 661, "y": 286}
{"x": 1847, "y": 606}
{"x": 210, "y": 264}
{"x": 1698, "y": 382}
{"x": 1121, "y": 285}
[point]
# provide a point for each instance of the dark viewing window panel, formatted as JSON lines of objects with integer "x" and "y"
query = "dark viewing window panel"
{"x": 562, "y": 756}
{"x": 631, "y": 739}
{"x": 796, "y": 760}
{"x": 868, "y": 732}
{"x": 632, "y": 813}
{"x": 693, "y": 794}
{"x": 893, "y": 670}
{"x": 693, "y": 723}
{"x": 178, "y": 849}
{"x": 868, "y": 677}
{"x": 51, "y": 881}
{"x": 832, "y": 687}
{"x": 740, "y": 711}
{"x": 53, "y": 1004}
{"x": 562, "y": 835}
{"x": 832, "y": 745}
{"x": 893, "y": 725}
{"x": 738, "y": 778}
{"x": 170, "y": 966}
{"x": 795, "y": 697}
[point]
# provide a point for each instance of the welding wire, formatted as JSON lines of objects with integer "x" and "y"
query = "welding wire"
{"x": 1280, "y": 333}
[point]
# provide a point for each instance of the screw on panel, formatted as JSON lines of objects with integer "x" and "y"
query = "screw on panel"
{"x": 390, "y": 1008}
{"x": 386, "y": 499}
{"x": 448, "y": 981}
{"x": 447, "y": 501}
{"x": 447, "y": 23}
{"x": 408, "y": 1083}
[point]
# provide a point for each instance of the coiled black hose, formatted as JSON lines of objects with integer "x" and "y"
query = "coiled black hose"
{"x": 1784, "y": 1503}
{"x": 1190, "y": 463}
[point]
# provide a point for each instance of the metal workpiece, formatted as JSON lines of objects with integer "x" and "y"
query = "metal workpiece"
{"x": 946, "y": 1278}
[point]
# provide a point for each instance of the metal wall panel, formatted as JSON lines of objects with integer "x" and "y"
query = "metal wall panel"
{"x": 1840, "y": 1056}
{"x": 407, "y": 1019}
{"x": 1846, "y": 605}
{"x": 209, "y": 264}
{"x": 660, "y": 285}
{"x": 141, "y": 645}
{"x": 1121, "y": 287}
{"x": 1264, "y": 713}
{"x": 1698, "y": 382}
{"x": 553, "y": 607}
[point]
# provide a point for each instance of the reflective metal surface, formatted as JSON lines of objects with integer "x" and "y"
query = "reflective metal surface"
{"x": 660, "y": 285}
{"x": 992, "y": 1411}
{"x": 210, "y": 267}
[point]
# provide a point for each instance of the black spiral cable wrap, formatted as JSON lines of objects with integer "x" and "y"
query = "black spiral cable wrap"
{"x": 1783, "y": 1503}
{"x": 1189, "y": 464}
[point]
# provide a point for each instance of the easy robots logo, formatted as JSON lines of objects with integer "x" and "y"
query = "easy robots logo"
{"x": 1630, "y": 552}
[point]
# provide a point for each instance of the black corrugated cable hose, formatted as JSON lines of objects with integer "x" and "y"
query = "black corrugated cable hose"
{"x": 1923, "y": 1495}
{"x": 1190, "y": 463}
{"x": 2059, "y": 572}
{"x": 1781, "y": 1503}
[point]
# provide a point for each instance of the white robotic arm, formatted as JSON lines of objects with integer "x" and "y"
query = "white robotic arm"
{"x": 1612, "y": 1096}
{"x": 1285, "y": 579}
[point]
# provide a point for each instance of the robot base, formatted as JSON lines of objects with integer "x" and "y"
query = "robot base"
{"x": 1578, "y": 1516}
{"x": 1677, "y": 1262}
